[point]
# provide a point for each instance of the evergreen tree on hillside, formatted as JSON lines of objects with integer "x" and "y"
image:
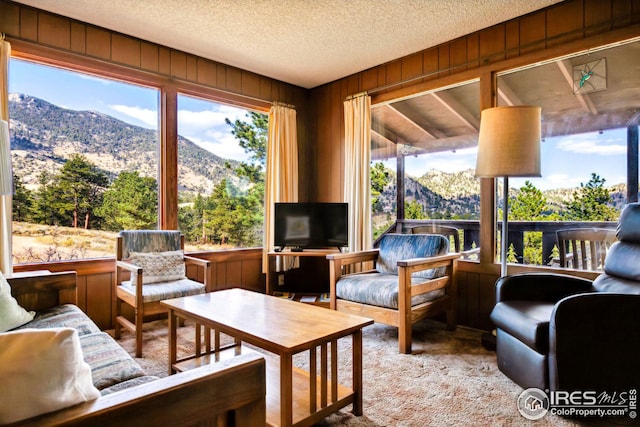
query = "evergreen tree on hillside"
{"x": 591, "y": 202}
{"x": 528, "y": 205}
{"x": 130, "y": 203}
{"x": 79, "y": 187}
{"x": 379, "y": 179}
{"x": 22, "y": 201}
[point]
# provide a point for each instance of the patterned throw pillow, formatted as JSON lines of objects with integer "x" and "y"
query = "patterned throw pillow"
{"x": 158, "y": 266}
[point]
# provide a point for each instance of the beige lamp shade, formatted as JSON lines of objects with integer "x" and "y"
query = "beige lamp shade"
{"x": 509, "y": 142}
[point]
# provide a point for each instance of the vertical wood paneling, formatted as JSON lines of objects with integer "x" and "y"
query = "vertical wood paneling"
{"x": 55, "y": 30}
{"x": 458, "y": 54}
{"x": 565, "y": 22}
{"x": 192, "y": 68}
{"x": 369, "y": 79}
{"x": 512, "y": 39}
{"x": 472, "y": 50}
{"x": 78, "y": 38}
{"x": 622, "y": 10}
{"x": 178, "y": 64}
{"x": 234, "y": 80}
{"x": 532, "y": 32}
{"x": 98, "y": 43}
{"x": 164, "y": 60}
{"x": 336, "y": 188}
{"x": 492, "y": 44}
{"x": 206, "y": 72}
{"x": 9, "y": 18}
{"x": 251, "y": 84}
{"x": 444, "y": 59}
{"x": 125, "y": 50}
{"x": 430, "y": 62}
{"x": 596, "y": 14}
{"x": 149, "y": 57}
{"x": 393, "y": 72}
{"x": 99, "y": 299}
{"x": 29, "y": 24}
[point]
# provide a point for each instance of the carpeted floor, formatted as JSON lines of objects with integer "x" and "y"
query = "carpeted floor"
{"x": 449, "y": 380}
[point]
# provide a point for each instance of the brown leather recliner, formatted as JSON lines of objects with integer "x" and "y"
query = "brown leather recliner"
{"x": 561, "y": 332}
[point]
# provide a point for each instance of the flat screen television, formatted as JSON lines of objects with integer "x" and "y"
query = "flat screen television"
{"x": 313, "y": 225}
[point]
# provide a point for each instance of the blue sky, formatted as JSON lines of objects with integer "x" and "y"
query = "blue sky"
{"x": 566, "y": 161}
{"x": 202, "y": 122}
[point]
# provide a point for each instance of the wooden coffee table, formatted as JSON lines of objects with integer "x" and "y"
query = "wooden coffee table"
{"x": 284, "y": 328}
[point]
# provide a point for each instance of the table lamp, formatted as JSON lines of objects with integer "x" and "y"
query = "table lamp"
{"x": 508, "y": 145}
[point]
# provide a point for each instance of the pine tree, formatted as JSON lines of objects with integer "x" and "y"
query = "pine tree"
{"x": 591, "y": 202}
{"x": 130, "y": 203}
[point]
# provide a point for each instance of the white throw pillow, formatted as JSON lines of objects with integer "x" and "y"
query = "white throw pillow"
{"x": 158, "y": 266}
{"x": 42, "y": 370}
{"x": 11, "y": 314}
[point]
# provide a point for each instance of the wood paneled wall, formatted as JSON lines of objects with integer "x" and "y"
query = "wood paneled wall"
{"x": 561, "y": 29}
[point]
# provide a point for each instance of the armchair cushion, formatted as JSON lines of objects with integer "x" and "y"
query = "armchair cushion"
{"x": 397, "y": 247}
{"x": 165, "y": 290}
{"x": 158, "y": 266}
{"x": 378, "y": 289}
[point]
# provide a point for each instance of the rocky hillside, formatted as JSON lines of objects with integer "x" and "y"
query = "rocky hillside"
{"x": 44, "y": 135}
{"x": 457, "y": 195}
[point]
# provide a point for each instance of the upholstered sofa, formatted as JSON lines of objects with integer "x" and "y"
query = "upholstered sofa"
{"x": 230, "y": 391}
{"x": 562, "y": 332}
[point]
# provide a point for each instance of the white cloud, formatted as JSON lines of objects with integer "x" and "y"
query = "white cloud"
{"x": 144, "y": 115}
{"x": 226, "y": 147}
{"x": 194, "y": 122}
{"x": 584, "y": 144}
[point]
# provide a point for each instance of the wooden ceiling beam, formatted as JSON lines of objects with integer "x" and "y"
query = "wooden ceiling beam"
{"x": 458, "y": 110}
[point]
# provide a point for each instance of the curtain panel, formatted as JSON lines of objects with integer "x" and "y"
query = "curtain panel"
{"x": 6, "y": 176}
{"x": 357, "y": 185}
{"x": 282, "y": 169}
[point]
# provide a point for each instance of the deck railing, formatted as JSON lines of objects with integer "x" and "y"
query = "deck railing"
{"x": 517, "y": 229}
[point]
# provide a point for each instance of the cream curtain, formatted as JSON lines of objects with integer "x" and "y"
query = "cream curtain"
{"x": 357, "y": 186}
{"x": 282, "y": 169}
{"x": 6, "y": 176}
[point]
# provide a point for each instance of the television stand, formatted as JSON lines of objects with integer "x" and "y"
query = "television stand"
{"x": 309, "y": 282}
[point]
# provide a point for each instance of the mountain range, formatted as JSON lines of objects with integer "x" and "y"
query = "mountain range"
{"x": 43, "y": 136}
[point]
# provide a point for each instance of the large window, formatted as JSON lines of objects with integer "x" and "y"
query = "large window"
{"x": 221, "y": 164}
{"x": 589, "y": 104}
{"x": 433, "y": 138}
{"x": 85, "y": 162}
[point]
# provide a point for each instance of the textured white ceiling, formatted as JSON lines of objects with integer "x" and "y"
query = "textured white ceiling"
{"x": 303, "y": 42}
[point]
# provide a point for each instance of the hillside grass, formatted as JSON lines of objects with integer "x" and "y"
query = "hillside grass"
{"x": 34, "y": 243}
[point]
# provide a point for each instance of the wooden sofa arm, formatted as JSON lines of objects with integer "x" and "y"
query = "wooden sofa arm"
{"x": 234, "y": 388}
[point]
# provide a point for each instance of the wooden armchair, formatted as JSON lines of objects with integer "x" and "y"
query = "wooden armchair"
{"x": 157, "y": 266}
{"x": 584, "y": 248}
{"x": 413, "y": 278}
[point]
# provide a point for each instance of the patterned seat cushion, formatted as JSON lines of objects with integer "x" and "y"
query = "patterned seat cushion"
{"x": 110, "y": 363}
{"x": 397, "y": 247}
{"x": 127, "y": 384}
{"x": 166, "y": 290}
{"x": 66, "y": 315}
{"x": 378, "y": 289}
